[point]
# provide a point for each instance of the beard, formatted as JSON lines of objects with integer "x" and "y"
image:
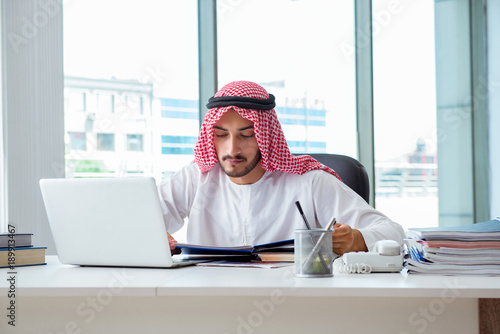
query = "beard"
{"x": 234, "y": 173}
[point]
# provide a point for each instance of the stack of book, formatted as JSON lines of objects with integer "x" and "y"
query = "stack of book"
{"x": 460, "y": 250}
{"x": 16, "y": 250}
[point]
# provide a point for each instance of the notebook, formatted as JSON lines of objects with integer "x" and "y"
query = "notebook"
{"x": 108, "y": 222}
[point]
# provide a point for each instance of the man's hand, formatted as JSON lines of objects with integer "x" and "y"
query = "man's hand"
{"x": 346, "y": 239}
{"x": 172, "y": 243}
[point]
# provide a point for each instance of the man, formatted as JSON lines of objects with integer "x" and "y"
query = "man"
{"x": 242, "y": 187}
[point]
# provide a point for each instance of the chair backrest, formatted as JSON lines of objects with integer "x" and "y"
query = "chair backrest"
{"x": 350, "y": 170}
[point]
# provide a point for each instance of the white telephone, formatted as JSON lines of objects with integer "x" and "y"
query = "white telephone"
{"x": 386, "y": 257}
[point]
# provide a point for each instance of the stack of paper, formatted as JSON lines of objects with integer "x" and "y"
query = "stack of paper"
{"x": 460, "y": 250}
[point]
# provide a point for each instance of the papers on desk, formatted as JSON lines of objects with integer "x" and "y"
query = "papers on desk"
{"x": 461, "y": 250}
{"x": 240, "y": 256}
{"x": 278, "y": 246}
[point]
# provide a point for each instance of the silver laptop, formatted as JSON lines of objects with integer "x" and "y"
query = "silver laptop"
{"x": 108, "y": 222}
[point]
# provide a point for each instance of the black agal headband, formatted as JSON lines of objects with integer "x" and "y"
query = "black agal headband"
{"x": 242, "y": 102}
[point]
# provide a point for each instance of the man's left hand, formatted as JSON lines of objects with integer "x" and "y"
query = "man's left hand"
{"x": 346, "y": 239}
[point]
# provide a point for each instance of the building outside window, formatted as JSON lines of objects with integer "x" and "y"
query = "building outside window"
{"x": 121, "y": 102}
{"x": 100, "y": 118}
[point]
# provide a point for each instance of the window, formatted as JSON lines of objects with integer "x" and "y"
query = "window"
{"x": 118, "y": 74}
{"x": 105, "y": 103}
{"x": 301, "y": 52}
{"x": 308, "y": 63}
{"x": 78, "y": 140}
{"x": 105, "y": 142}
{"x": 120, "y": 104}
{"x": 134, "y": 104}
{"x": 404, "y": 81}
{"x": 134, "y": 143}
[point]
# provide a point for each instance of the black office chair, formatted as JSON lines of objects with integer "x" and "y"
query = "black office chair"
{"x": 350, "y": 170}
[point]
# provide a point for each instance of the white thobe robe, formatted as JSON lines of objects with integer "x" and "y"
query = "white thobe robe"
{"x": 222, "y": 213}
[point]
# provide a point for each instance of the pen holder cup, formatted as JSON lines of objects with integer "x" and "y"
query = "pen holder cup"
{"x": 313, "y": 253}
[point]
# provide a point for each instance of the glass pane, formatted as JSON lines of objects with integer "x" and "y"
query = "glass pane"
{"x": 405, "y": 111}
{"x": 131, "y": 78}
{"x": 301, "y": 52}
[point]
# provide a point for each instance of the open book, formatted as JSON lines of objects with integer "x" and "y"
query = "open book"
{"x": 278, "y": 246}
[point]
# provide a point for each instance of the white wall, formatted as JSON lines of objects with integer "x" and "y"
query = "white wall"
{"x": 493, "y": 26}
{"x": 33, "y": 108}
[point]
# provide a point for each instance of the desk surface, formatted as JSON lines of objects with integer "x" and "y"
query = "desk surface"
{"x": 56, "y": 279}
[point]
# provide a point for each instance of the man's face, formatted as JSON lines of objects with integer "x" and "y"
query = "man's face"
{"x": 237, "y": 148}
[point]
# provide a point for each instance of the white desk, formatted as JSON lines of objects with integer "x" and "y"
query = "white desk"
{"x": 69, "y": 299}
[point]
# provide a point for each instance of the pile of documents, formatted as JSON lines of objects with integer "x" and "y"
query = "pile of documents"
{"x": 460, "y": 250}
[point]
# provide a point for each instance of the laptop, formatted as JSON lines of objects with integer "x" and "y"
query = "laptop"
{"x": 108, "y": 222}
